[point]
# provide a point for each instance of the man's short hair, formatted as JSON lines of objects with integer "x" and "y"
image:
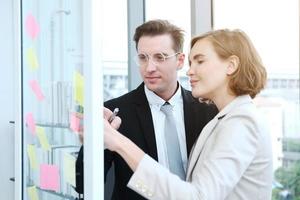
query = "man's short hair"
{"x": 160, "y": 27}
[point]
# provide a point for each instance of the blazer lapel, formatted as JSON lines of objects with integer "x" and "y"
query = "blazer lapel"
{"x": 196, "y": 151}
{"x": 146, "y": 122}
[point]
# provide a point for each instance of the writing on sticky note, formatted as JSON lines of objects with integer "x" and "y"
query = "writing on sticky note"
{"x": 43, "y": 138}
{"x": 32, "y": 26}
{"x": 32, "y": 193}
{"x": 32, "y": 59}
{"x": 49, "y": 177}
{"x": 74, "y": 122}
{"x": 34, "y": 85}
{"x": 32, "y": 156}
{"x": 79, "y": 87}
{"x": 30, "y": 122}
{"x": 69, "y": 168}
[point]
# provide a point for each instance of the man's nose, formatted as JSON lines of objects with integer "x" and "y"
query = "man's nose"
{"x": 151, "y": 66}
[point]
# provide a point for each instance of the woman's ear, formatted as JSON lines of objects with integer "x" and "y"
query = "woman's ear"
{"x": 234, "y": 62}
{"x": 180, "y": 61}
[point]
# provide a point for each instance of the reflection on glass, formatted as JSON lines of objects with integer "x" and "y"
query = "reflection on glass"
{"x": 52, "y": 97}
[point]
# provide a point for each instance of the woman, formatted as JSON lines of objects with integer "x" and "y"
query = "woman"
{"x": 232, "y": 158}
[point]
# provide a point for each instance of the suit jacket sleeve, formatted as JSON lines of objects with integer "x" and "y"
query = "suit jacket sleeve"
{"x": 79, "y": 172}
{"x": 214, "y": 178}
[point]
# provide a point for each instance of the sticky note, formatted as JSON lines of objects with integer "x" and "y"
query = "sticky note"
{"x": 30, "y": 122}
{"x": 32, "y": 193}
{"x": 69, "y": 169}
{"x": 32, "y": 156}
{"x": 79, "y": 87}
{"x": 43, "y": 138}
{"x": 32, "y": 26}
{"x": 32, "y": 59}
{"x": 49, "y": 177}
{"x": 34, "y": 85}
{"x": 74, "y": 122}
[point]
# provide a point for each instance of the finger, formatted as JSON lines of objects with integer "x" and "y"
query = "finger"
{"x": 116, "y": 122}
{"x": 106, "y": 113}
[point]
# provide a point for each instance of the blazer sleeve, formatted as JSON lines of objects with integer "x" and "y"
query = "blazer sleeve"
{"x": 234, "y": 148}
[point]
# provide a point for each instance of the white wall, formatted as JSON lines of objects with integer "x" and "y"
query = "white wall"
{"x": 6, "y": 99}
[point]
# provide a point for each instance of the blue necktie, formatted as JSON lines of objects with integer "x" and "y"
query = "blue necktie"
{"x": 171, "y": 137}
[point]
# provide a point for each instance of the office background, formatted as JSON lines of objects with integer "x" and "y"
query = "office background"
{"x": 59, "y": 45}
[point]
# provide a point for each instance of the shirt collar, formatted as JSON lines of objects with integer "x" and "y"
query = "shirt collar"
{"x": 154, "y": 99}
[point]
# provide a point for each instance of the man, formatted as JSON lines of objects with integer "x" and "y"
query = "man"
{"x": 159, "y": 47}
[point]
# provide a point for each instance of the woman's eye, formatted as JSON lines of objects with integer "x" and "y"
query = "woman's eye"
{"x": 200, "y": 61}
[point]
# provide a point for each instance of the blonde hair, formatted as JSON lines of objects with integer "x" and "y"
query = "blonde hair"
{"x": 250, "y": 76}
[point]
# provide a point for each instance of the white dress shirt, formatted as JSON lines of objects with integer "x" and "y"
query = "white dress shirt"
{"x": 155, "y": 103}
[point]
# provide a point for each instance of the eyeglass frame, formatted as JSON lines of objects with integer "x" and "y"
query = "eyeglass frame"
{"x": 150, "y": 57}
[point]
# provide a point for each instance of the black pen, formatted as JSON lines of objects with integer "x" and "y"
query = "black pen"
{"x": 112, "y": 117}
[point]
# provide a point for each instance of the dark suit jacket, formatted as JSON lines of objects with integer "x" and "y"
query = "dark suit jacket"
{"x": 137, "y": 125}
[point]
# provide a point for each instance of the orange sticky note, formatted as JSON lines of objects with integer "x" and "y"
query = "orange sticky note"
{"x": 30, "y": 122}
{"x": 32, "y": 59}
{"x": 49, "y": 177}
{"x": 74, "y": 122}
{"x": 32, "y": 26}
{"x": 34, "y": 85}
{"x": 32, "y": 193}
{"x": 32, "y": 156}
{"x": 43, "y": 138}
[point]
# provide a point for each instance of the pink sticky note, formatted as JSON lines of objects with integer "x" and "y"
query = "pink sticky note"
{"x": 49, "y": 177}
{"x": 30, "y": 122}
{"x": 32, "y": 27}
{"x": 36, "y": 89}
{"x": 74, "y": 123}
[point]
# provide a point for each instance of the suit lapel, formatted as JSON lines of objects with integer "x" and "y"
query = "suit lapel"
{"x": 145, "y": 120}
{"x": 198, "y": 147}
{"x": 189, "y": 110}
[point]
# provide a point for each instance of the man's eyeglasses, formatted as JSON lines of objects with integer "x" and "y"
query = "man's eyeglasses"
{"x": 142, "y": 59}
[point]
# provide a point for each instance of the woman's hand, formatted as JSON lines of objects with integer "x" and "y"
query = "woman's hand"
{"x": 117, "y": 120}
{"x": 111, "y": 136}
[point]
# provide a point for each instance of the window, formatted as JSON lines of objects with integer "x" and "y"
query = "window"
{"x": 177, "y": 12}
{"x": 276, "y": 37}
{"x": 115, "y": 50}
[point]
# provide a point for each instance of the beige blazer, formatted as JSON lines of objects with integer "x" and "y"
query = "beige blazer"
{"x": 232, "y": 159}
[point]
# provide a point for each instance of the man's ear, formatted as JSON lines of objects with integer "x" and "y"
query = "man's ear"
{"x": 180, "y": 61}
{"x": 233, "y": 65}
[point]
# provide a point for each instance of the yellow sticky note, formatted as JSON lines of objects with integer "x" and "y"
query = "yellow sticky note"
{"x": 32, "y": 193}
{"x": 79, "y": 87}
{"x": 43, "y": 138}
{"x": 32, "y": 156}
{"x": 32, "y": 59}
{"x": 69, "y": 168}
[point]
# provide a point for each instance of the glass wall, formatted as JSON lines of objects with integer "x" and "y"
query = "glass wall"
{"x": 273, "y": 27}
{"x": 52, "y": 85}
